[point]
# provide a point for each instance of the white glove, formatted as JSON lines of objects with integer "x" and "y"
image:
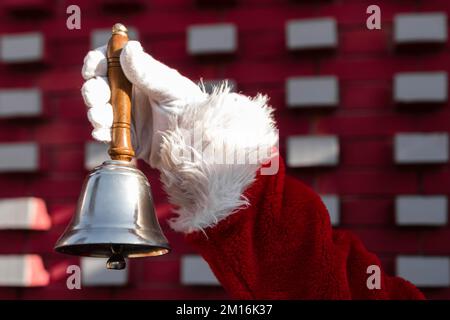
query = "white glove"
{"x": 158, "y": 92}
{"x": 168, "y": 110}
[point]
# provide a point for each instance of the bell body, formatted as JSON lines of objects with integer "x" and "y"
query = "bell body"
{"x": 115, "y": 216}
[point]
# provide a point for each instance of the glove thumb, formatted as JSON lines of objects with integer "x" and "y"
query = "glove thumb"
{"x": 159, "y": 81}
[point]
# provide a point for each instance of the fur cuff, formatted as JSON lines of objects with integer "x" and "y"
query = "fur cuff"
{"x": 210, "y": 154}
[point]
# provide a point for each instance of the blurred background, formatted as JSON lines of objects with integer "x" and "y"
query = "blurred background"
{"x": 363, "y": 118}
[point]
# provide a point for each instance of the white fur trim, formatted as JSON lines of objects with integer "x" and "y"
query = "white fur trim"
{"x": 205, "y": 192}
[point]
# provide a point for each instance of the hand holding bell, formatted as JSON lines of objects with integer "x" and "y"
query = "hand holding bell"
{"x": 115, "y": 216}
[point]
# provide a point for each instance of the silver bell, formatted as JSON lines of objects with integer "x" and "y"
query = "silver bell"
{"x": 115, "y": 217}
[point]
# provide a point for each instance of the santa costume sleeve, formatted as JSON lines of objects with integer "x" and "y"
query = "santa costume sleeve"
{"x": 264, "y": 236}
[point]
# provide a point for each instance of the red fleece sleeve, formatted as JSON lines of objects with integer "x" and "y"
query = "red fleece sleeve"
{"x": 283, "y": 247}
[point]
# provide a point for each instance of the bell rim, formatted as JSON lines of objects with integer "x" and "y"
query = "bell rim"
{"x": 143, "y": 241}
{"x": 71, "y": 249}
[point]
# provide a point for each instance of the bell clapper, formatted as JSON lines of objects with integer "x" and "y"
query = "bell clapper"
{"x": 116, "y": 261}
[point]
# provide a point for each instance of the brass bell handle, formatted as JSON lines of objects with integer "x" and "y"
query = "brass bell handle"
{"x": 121, "y": 147}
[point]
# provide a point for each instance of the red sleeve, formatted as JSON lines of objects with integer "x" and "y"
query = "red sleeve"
{"x": 283, "y": 247}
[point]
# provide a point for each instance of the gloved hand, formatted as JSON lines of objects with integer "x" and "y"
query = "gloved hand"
{"x": 169, "y": 115}
{"x": 158, "y": 92}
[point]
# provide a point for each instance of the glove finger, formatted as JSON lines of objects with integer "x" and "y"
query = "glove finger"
{"x": 101, "y": 116}
{"x": 95, "y": 63}
{"x": 96, "y": 91}
{"x": 160, "y": 81}
{"x": 102, "y": 134}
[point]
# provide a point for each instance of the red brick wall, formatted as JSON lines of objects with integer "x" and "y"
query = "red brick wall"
{"x": 366, "y": 178}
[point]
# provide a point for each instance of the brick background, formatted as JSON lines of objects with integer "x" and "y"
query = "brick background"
{"x": 366, "y": 180}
